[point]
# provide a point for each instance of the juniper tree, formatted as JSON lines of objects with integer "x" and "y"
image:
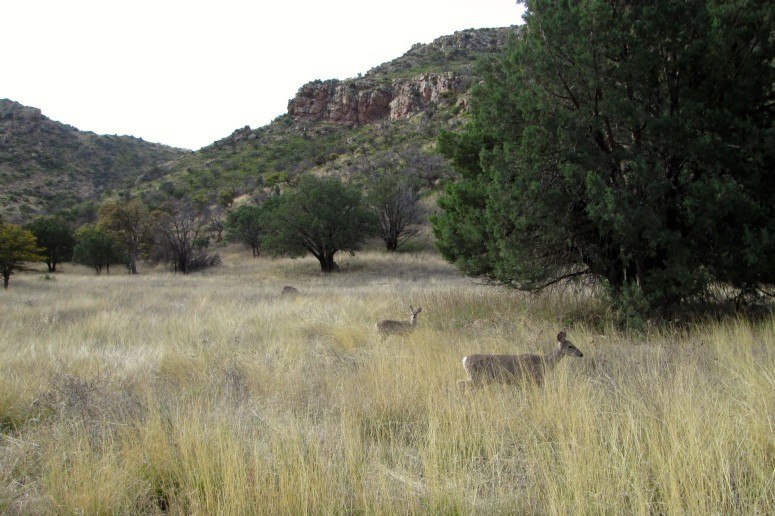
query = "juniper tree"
{"x": 632, "y": 142}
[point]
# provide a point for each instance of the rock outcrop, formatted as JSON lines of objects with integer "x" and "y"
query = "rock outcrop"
{"x": 382, "y": 95}
{"x": 416, "y": 94}
{"x": 360, "y": 102}
{"x": 10, "y": 111}
{"x": 462, "y": 47}
{"x": 239, "y": 135}
{"x": 354, "y": 102}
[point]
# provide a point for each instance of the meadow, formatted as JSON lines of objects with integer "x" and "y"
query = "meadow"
{"x": 212, "y": 393}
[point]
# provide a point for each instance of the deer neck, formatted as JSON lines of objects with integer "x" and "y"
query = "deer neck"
{"x": 552, "y": 358}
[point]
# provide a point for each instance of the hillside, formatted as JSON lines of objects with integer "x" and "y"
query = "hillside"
{"x": 46, "y": 165}
{"x": 391, "y": 114}
{"x": 388, "y": 117}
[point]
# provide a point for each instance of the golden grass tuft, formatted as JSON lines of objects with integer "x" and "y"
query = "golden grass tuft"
{"x": 214, "y": 393}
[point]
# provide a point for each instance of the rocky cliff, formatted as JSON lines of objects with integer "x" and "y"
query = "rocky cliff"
{"x": 403, "y": 87}
{"x": 364, "y": 101}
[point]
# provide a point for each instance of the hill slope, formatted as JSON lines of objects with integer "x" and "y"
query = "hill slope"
{"x": 388, "y": 117}
{"x": 46, "y": 165}
{"x": 342, "y": 127}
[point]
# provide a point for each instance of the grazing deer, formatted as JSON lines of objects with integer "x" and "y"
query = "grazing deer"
{"x": 388, "y": 327}
{"x": 289, "y": 291}
{"x": 511, "y": 369}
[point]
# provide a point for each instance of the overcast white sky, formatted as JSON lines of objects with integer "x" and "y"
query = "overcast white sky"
{"x": 187, "y": 73}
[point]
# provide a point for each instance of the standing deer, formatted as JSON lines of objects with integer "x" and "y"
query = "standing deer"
{"x": 388, "y": 327}
{"x": 511, "y": 369}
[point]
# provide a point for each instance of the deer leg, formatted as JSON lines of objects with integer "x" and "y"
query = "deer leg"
{"x": 464, "y": 384}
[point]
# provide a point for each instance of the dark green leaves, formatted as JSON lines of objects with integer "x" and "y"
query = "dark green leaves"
{"x": 321, "y": 216}
{"x": 632, "y": 142}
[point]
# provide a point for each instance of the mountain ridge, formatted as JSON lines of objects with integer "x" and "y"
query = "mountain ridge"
{"x": 48, "y": 166}
{"x": 332, "y": 127}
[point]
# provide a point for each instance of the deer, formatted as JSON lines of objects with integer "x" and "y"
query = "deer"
{"x": 389, "y": 327}
{"x": 512, "y": 369}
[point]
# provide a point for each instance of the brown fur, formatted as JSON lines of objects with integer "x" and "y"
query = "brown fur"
{"x": 390, "y": 327}
{"x": 512, "y": 369}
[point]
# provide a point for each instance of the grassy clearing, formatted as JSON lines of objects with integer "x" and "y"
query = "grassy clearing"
{"x": 213, "y": 393}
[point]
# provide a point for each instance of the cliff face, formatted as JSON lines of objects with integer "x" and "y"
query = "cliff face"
{"x": 349, "y": 102}
{"x": 403, "y": 87}
{"x": 10, "y": 111}
{"x": 417, "y": 94}
{"x": 363, "y": 101}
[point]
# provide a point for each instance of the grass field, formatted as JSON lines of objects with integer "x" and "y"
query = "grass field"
{"x": 212, "y": 393}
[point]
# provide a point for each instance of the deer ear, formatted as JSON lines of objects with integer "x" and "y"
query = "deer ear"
{"x": 419, "y": 309}
{"x": 411, "y": 308}
{"x": 561, "y": 336}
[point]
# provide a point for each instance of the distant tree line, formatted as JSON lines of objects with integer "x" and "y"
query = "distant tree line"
{"x": 124, "y": 233}
{"x": 321, "y": 216}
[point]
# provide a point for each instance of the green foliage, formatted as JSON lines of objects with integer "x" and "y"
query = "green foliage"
{"x": 245, "y": 225}
{"x": 48, "y": 166}
{"x": 321, "y": 216}
{"x": 17, "y": 245}
{"x": 97, "y": 248}
{"x": 286, "y": 150}
{"x": 226, "y": 197}
{"x": 629, "y": 142}
{"x": 56, "y": 238}
{"x": 79, "y": 214}
{"x": 130, "y": 224}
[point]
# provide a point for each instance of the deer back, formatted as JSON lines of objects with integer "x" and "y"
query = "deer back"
{"x": 503, "y": 368}
{"x": 389, "y": 326}
{"x": 399, "y": 327}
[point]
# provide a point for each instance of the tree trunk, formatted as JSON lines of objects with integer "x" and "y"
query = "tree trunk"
{"x": 133, "y": 262}
{"x": 183, "y": 265}
{"x": 327, "y": 263}
{"x": 391, "y": 244}
{"x": 6, "y": 278}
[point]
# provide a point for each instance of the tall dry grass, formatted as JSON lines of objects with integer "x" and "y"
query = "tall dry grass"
{"x": 213, "y": 393}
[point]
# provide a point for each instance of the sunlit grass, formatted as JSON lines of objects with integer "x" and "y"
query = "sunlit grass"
{"x": 214, "y": 393}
